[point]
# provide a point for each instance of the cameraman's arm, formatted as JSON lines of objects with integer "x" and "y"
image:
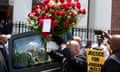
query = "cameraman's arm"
{"x": 106, "y": 34}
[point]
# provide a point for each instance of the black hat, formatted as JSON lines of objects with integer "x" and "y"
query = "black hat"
{"x": 57, "y": 39}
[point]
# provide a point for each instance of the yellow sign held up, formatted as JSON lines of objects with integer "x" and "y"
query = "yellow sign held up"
{"x": 95, "y": 59}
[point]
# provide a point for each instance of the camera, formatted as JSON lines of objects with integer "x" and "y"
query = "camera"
{"x": 98, "y": 32}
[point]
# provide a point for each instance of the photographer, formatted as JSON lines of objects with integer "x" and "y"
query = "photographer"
{"x": 101, "y": 43}
{"x": 112, "y": 64}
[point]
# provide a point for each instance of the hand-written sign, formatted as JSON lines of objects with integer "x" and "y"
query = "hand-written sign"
{"x": 95, "y": 59}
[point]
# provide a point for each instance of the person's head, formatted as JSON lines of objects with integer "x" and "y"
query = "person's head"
{"x": 78, "y": 39}
{"x": 88, "y": 43}
{"x": 100, "y": 39}
{"x": 3, "y": 39}
{"x": 115, "y": 42}
{"x": 74, "y": 47}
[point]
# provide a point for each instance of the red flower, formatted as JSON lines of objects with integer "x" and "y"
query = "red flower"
{"x": 57, "y": 12}
{"x": 73, "y": 5}
{"x": 62, "y": 13}
{"x": 46, "y": 1}
{"x": 42, "y": 4}
{"x": 36, "y": 7}
{"x": 62, "y": 5}
{"x": 78, "y": 5}
{"x": 69, "y": 1}
{"x": 72, "y": 14}
{"x": 46, "y": 9}
{"x": 82, "y": 11}
{"x": 51, "y": 17}
{"x": 62, "y": 1}
{"x": 76, "y": 0}
{"x": 45, "y": 35}
{"x": 40, "y": 21}
{"x": 46, "y": 16}
{"x": 30, "y": 15}
{"x": 51, "y": 6}
{"x": 68, "y": 6}
{"x": 66, "y": 23}
{"x": 35, "y": 13}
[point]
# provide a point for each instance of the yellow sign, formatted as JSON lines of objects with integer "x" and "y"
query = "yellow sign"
{"x": 95, "y": 59}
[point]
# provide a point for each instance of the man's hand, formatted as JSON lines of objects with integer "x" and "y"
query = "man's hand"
{"x": 106, "y": 34}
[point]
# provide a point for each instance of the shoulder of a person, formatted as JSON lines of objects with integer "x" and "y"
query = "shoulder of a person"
{"x": 114, "y": 57}
{"x": 81, "y": 57}
{"x": 104, "y": 47}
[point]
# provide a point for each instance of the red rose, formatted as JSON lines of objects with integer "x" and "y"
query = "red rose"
{"x": 73, "y": 5}
{"x": 46, "y": 16}
{"x": 62, "y": 13}
{"x": 43, "y": 14}
{"x": 36, "y": 7}
{"x": 61, "y": 5}
{"x": 40, "y": 21}
{"x": 46, "y": 1}
{"x": 46, "y": 35}
{"x": 39, "y": 17}
{"x": 42, "y": 4}
{"x": 69, "y": 1}
{"x": 66, "y": 23}
{"x": 35, "y": 13}
{"x": 78, "y": 5}
{"x": 62, "y": 1}
{"x": 82, "y": 11}
{"x": 72, "y": 14}
{"x": 76, "y": 0}
{"x": 30, "y": 15}
{"x": 68, "y": 6}
{"x": 51, "y": 17}
{"x": 57, "y": 13}
{"x": 51, "y": 6}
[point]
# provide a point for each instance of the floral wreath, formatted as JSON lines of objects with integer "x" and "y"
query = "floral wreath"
{"x": 63, "y": 15}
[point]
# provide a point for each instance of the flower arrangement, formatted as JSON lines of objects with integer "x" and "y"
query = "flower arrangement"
{"x": 62, "y": 13}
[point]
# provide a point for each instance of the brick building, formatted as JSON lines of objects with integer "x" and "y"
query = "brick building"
{"x": 115, "y": 21}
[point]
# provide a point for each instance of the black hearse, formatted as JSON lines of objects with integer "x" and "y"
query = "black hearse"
{"x": 26, "y": 47}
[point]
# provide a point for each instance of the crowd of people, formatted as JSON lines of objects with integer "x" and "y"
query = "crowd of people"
{"x": 73, "y": 54}
{"x": 74, "y": 58}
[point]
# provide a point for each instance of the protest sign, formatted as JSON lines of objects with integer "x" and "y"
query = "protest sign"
{"x": 95, "y": 59}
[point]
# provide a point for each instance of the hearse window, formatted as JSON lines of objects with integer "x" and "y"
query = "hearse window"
{"x": 29, "y": 51}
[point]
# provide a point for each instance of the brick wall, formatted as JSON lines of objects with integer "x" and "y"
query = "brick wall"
{"x": 115, "y": 20}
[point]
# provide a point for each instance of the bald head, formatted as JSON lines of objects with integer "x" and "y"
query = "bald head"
{"x": 74, "y": 47}
{"x": 115, "y": 42}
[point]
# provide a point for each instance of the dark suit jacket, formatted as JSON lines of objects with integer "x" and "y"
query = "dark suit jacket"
{"x": 72, "y": 63}
{"x": 112, "y": 64}
{"x": 3, "y": 67}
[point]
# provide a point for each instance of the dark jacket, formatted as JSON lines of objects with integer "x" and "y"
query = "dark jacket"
{"x": 3, "y": 67}
{"x": 112, "y": 64}
{"x": 71, "y": 63}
